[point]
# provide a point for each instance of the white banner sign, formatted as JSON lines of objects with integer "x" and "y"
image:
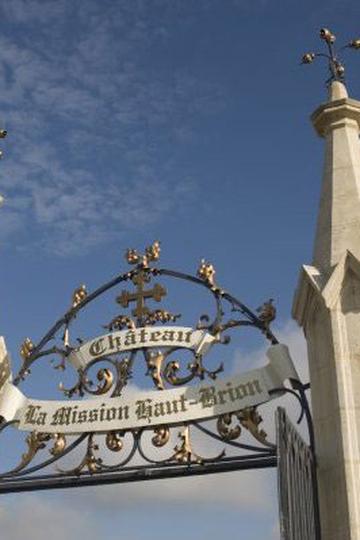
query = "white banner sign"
{"x": 150, "y": 408}
{"x": 139, "y": 338}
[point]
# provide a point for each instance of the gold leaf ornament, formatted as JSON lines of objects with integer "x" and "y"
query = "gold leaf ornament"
{"x": 106, "y": 378}
{"x": 59, "y": 444}
{"x": 225, "y": 430}
{"x": 161, "y": 436}
{"x": 206, "y": 272}
{"x": 152, "y": 253}
{"x": 154, "y": 363}
{"x": 114, "y": 441}
{"x": 132, "y": 256}
{"x": 183, "y": 451}
{"x": 250, "y": 419}
{"x": 79, "y": 295}
{"x": 26, "y": 349}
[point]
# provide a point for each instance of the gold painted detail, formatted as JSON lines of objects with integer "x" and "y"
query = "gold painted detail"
{"x": 106, "y": 380}
{"x": 225, "y": 430}
{"x": 154, "y": 364}
{"x": 120, "y": 322}
{"x": 104, "y": 376}
{"x": 132, "y": 256}
{"x": 152, "y": 254}
{"x": 161, "y": 436}
{"x": 206, "y": 272}
{"x": 160, "y": 315}
{"x": 89, "y": 461}
{"x": 249, "y": 419}
{"x": 196, "y": 369}
{"x": 37, "y": 441}
{"x": 59, "y": 444}
{"x": 26, "y": 348}
{"x": 184, "y": 452}
{"x": 78, "y": 296}
{"x": 114, "y": 441}
{"x": 171, "y": 371}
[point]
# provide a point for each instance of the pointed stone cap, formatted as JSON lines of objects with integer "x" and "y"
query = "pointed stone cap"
{"x": 338, "y": 109}
{"x": 337, "y": 90}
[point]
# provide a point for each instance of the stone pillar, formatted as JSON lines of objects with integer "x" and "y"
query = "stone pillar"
{"x": 327, "y": 306}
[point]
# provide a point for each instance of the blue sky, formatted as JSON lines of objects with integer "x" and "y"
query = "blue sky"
{"x": 184, "y": 121}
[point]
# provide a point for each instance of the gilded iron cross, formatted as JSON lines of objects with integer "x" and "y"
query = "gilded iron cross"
{"x": 156, "y": 293}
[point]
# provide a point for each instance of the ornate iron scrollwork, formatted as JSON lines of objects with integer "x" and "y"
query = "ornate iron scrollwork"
{"x": 162, "y": 367}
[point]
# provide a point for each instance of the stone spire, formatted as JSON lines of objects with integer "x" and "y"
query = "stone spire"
{"x": 327, "y": 306}
{"x": 338, "y": 122}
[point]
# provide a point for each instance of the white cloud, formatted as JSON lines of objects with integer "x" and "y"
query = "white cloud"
{"x": 247, "y": 491}
{"x": 127, "y": 511}
{"x": 290, "y": 334}
{"x": 35, "y": 518}
{"x": 93, "y": 129}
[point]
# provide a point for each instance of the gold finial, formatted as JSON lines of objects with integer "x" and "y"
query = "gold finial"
{"x": 26, "y": 348}
{"x": 152, "y": 253}
{"x": 132, "y": 256}
{"x": 78, "y": 296}
{"x": 336, "y": 68}
{"x": 206, "y": 272}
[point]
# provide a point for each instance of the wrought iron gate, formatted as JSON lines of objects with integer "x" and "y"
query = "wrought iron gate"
{"x": 298, "y": 502}
{"x": 127, "y": 437}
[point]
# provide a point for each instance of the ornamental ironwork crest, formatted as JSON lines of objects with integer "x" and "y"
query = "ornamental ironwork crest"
{"x": 147, "y": 392}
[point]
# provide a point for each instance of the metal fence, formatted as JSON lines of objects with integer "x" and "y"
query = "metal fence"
{"x": 298, "y": 504}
